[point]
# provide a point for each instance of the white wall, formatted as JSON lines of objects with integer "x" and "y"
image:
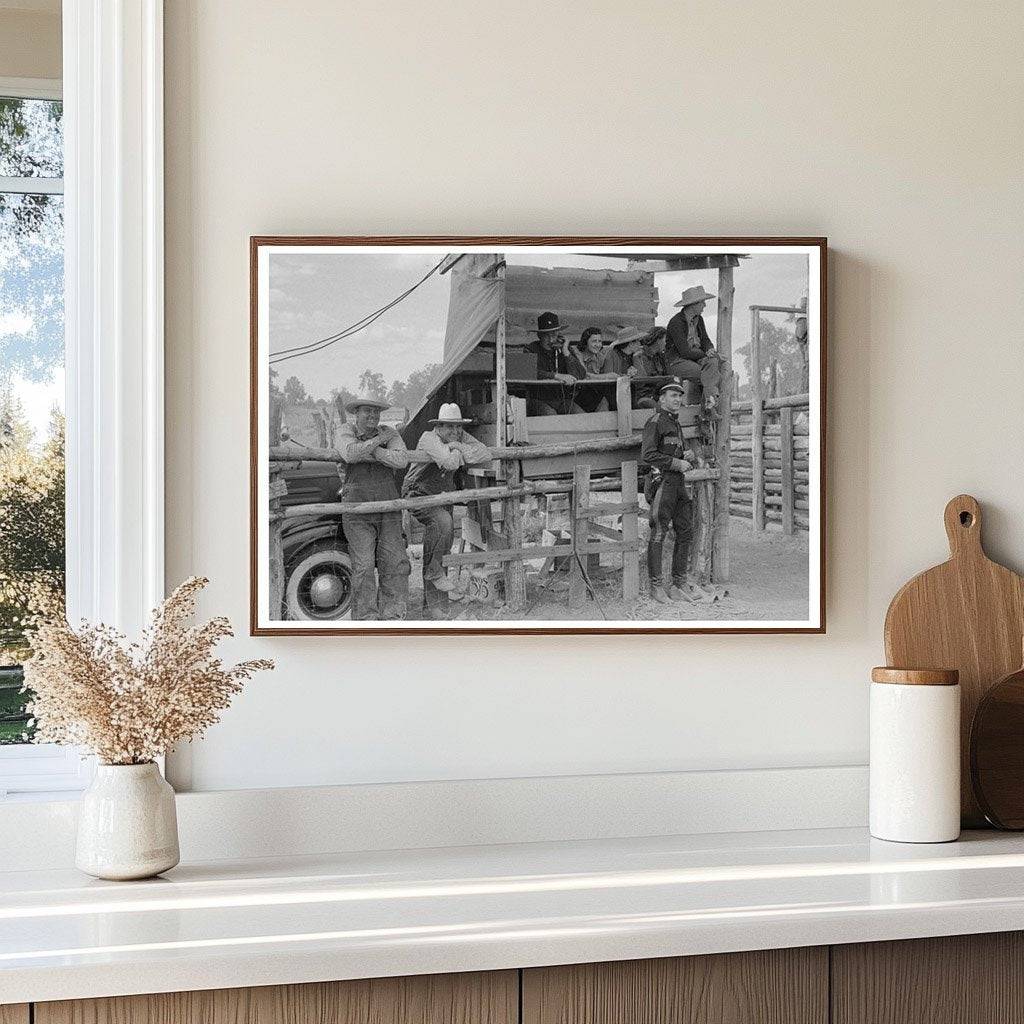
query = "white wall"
{"x": 895, "y": 129}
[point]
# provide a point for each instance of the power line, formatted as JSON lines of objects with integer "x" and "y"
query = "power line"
{"x": 316, "y": 346}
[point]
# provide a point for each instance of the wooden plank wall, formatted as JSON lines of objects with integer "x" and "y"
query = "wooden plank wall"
{"x": 779, "y": 986}
{"x": 478, "y": 998}
{"x": 581, "y": 298}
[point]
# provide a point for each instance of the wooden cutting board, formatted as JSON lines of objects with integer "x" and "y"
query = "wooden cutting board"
{"x": 967, "y": 614}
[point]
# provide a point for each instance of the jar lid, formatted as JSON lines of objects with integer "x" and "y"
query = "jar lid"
{"x": 916, "y": 676}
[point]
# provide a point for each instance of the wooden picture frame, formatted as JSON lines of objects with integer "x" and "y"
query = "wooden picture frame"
{"x": 781, "y": 469}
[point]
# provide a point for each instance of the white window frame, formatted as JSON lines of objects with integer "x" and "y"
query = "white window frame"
{"x": 114, "y": 327}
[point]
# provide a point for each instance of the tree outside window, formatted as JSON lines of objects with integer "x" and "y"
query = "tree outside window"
{"x": 31, "y": 387}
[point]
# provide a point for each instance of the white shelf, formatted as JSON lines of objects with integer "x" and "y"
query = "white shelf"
{"x": 351, "y": 915}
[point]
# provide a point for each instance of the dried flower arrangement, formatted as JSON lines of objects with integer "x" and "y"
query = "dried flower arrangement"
{"x": 130, "y": 703}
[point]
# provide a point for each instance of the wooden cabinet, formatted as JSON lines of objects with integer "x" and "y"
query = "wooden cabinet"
{"x": 777, "y": 986}
{"x": 962, "y": 979}
{"x": 970, "y": 979}
{"x": 483, "y": 998}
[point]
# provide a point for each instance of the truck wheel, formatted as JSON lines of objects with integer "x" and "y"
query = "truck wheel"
{"x": 319, "y": 585}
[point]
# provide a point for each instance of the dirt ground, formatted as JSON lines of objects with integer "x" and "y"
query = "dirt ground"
{"x": 769, "y": 580}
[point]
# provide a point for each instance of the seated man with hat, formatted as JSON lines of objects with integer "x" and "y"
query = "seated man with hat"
{"x": 373, "y": 453}
{"x": 662, "y": 454}
{"x": 450, "y": 449}
{"x": 691, "y": 356}
{"x": 554, "y": 362}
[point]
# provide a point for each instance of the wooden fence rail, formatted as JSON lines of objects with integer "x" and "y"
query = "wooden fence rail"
{"x": 505, "y": 549}
{"x": 769, "y": 465}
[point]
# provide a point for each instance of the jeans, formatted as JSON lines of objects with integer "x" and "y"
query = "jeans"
{"x": 438, "y": 531}
{"x": 708, "y": 371}
{"x": 376, "y": 542}
{"x": 671, "y": 505}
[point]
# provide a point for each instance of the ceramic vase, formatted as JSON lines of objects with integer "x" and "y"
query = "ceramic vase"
{"x": 127, "y": 825}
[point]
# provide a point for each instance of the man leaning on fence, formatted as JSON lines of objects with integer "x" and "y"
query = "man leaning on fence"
{"x": 450, "y": 449}
{"x": 373, "y": 452}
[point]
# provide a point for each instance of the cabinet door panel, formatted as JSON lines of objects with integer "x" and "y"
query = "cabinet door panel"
{"x": 14, "y": 1013}
{"x": 778, "y": 986}
{"x": 481, "y": 998}
{"x": 959, "y": 979}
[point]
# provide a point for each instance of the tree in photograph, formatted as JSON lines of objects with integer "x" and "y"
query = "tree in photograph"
{"x": 372, "y": 383}
{"x": 294, "y": 391}
{"x": 778, "y": 346}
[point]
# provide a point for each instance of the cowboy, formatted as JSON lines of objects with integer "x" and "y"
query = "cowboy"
{"x": 450, "y": 449}
{"x": 650, "y": 361}
{"x": 554, "y": 362}
{"x": 373, "y": 452}
{"x": 691, "y": 356}
{"x": 662, "y": 453}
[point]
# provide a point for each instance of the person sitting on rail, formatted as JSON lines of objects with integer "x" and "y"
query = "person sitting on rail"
{"x": 650, "y": 361}
{"x": 691, "y": 356}
{"x": 450, "y": 450}
{"x": 554, "y": 362}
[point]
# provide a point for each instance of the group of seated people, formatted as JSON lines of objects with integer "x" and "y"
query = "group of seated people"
{"x": 681, "y": 349}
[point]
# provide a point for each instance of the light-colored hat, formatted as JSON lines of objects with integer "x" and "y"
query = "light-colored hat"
{"x": 624, "y": 335}
{"x": 450, "y": 413}
{"x": 692, "y": 295}
{"x": 672, "y": 385}
{"x": 364, "y": 400}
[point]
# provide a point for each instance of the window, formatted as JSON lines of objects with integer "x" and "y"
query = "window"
{"x": 32, "y": 530}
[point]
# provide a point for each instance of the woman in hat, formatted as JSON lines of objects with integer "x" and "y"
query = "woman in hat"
{"x": 650, "y": 361}
{"x": 691, "y": 356}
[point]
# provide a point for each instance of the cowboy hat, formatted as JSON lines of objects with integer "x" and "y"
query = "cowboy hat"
{"x": 672, "y": 385}
{"x": 549, "y": 322}
{"x": 449, "y": 413}
{"x": 692, "y": 295}
{"x": 624, "y": 335}
{"x": 365, "y": 400}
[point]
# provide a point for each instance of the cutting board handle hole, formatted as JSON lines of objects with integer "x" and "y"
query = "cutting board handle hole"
{"x": 966, "y": 519}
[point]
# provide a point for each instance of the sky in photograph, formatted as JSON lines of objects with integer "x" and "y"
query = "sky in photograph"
{"x": 313, "y": 296}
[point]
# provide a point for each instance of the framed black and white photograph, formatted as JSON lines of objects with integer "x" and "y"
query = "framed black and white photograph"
{"x": 537, "y": 435}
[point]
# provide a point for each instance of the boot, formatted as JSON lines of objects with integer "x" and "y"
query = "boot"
{"x": 658, "y": 594}
{"x": 679, "y": 594}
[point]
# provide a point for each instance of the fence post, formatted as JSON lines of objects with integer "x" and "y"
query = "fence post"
{"x": 757, "y": 461}
{"x": 624, "y": 406}
{"x": 515, "y": 571}
{"x": 723, "y": 435}
{"x": 788, "y": 488}
{"x": 278, "y": 489}
{"x": 631, "y": 535}
{"x": 580, "y": 532}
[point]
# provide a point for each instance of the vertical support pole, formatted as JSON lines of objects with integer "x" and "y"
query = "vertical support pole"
{"x": 501, "y": 384}
{"x": 723, "y": 458}
{"x": 757, "y": 423}
{"x": 624, "y": 406}
{"x": 515, "y": 570}
{"x": 631, "y": 536}
{"x": 580, "y": 531}
{"x": 788, "y": 487}
{"x": 278, "y": 489}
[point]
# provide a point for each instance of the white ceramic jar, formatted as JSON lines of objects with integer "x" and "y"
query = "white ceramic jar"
{"x": 127, "y": 824}
{"x": 915, "y": 755}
